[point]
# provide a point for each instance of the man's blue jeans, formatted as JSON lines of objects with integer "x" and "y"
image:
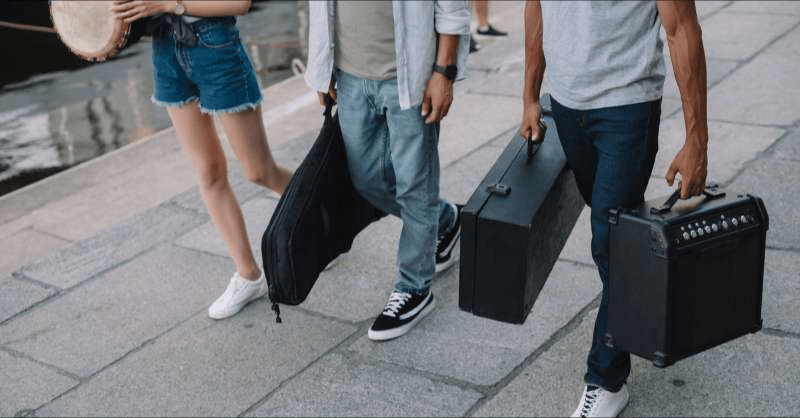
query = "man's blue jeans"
{"x": 394, "y": 162}
{"x": 611, "y": 151}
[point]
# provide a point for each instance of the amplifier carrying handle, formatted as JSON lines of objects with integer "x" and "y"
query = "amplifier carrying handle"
{"x": 711, "y": 192}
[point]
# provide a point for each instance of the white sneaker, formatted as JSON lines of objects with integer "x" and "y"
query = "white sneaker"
{"x": 240, "y": 292}
{"x": 599, "y": 402}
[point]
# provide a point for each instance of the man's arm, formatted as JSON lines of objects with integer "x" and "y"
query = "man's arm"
{"x": 439, "y": 91}
{"x": 685, "y": 41}
{"x": 534, "y": 72}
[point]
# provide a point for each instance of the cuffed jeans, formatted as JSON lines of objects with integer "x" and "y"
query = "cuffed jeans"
{"x": 394, "y": 162}
{"x": 611, "y": 151}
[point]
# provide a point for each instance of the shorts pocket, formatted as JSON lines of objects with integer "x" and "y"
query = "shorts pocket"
{"x": 218, "y": 36}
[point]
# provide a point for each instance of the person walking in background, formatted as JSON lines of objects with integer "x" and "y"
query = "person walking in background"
{"x": 200, "y": 70}
{"x": 485, "y": 28}
{"x": 606, "y": 73}
{"x": 391, "y": 66}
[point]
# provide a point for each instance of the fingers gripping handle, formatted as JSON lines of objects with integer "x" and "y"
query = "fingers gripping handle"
{"x": 711, "y": 192}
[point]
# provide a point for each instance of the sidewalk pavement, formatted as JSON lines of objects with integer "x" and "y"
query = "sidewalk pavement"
{"x": 107, "y": 270}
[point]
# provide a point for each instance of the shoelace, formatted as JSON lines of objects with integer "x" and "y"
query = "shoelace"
{"x": 589, "y": 401}
{"x": 396, "y": 302}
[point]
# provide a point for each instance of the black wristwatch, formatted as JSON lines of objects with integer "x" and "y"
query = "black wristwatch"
{"x": 449, "y": 71}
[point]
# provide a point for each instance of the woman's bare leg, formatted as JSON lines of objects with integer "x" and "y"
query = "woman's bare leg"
{"x": 248, "y": 138}
{"x": 201, "y": 142}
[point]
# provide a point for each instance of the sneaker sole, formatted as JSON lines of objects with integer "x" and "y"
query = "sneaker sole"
{"x": 230, "y": 313}
{"x": 440, "y": 267}
{"x": 401, "y": 330}
{"x": 480, "y": 37}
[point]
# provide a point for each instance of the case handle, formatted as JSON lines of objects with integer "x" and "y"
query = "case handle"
{"x": 711, "y": 192}
{"x": 531, "y": 142}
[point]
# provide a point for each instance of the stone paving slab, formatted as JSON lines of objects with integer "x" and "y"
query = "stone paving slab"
{"x": 459, "y": 180}
{"x": 764, "y": 92}
{"x": 766, "y": 178}
{"x": 551, "y": 385}
{"x": 94, "y": 325}
{"x": 339, "y": 386}
{"x": 86, "y": 175}
{"x": 469, "y": 127}
{"x": 501, "y": 83}
{"x": 781, "y": 291}
{"x": 82, "y": 260}
{"x": 206, "y": 367}
{"x": 26, "y": 385}
{"x": 480, "y": 351}
{"x": 257, "y": 212}
{"x": 754, "y": 375}
{"x": 784, "y": 7}
{"x": 23, "y": 246}
{"x": 730, "y": 146}
{"x": 19, "y": 295}
{"x": 788, "y": 148}
{"x": 749, "y": 376}
{"x": 358, "y": 286}
{"x": 753, "y": 33}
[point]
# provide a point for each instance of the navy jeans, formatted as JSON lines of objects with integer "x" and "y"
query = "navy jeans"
{"x": 611, "y": 151}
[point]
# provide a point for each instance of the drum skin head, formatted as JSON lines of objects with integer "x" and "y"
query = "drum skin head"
{"x": 88, "y": 28}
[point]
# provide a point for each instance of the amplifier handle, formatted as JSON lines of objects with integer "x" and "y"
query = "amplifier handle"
{"x": 711, "y": 192}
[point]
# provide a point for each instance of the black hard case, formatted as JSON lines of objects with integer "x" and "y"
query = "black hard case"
{"x": 514, "y": 227}
{"x": 671, "y": 297}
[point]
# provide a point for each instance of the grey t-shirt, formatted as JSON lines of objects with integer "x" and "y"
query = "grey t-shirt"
{"x": 603, "y": 53}
{"x": 365, "y": 39}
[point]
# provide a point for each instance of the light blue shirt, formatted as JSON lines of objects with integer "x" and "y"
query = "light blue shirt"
{"x": 416, "y": 24}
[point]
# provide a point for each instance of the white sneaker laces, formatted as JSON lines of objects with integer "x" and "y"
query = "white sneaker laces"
{"x": 396, "y": 302}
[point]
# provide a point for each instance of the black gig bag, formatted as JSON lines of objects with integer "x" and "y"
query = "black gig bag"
{"x": 316, "y": 219}
{"x": 514, "y": 227}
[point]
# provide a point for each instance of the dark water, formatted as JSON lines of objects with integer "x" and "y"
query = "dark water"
{"x": 57, "y": 111}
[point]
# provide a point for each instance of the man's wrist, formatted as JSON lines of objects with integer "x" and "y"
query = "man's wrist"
{"x": 448, "y": 71}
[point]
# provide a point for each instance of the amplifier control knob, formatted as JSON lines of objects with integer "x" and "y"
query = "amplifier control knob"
{"x": 686, "y": 236}
{"x": 725, "y": 225}
{"x": 700, "y": 231}
{"x": 743, "y": 219}
{"x": 708, "y": 229}
{"x": 694, "y": 234}
{"x": 714, "y": 227}
{"x": 734, "y": 222}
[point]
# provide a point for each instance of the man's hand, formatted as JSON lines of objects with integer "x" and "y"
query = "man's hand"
{"x": 531, "y": 118}
{"x": 331, "y": 92}
{"x": 437, "y": 99}
{"x": 692, "y": 164}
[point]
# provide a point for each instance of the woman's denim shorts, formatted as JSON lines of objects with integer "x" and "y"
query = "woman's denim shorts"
{"x": 216, "y": 71}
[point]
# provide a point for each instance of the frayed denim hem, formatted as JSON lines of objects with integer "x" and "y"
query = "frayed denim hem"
{"x": 235, "y": 109}
{"x": 174, "y": 104}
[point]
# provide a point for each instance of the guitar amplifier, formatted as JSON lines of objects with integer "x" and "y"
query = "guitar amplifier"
{"x": 685, "y": 277}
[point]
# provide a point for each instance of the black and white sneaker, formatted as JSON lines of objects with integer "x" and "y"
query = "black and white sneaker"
{"x": 446, "y": 243}
{"x": 489, "y": 31}
{"x": 400, "y": 314}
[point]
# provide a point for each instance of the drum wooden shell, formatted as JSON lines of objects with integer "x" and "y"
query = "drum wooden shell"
{"x": 88, "y": 28}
